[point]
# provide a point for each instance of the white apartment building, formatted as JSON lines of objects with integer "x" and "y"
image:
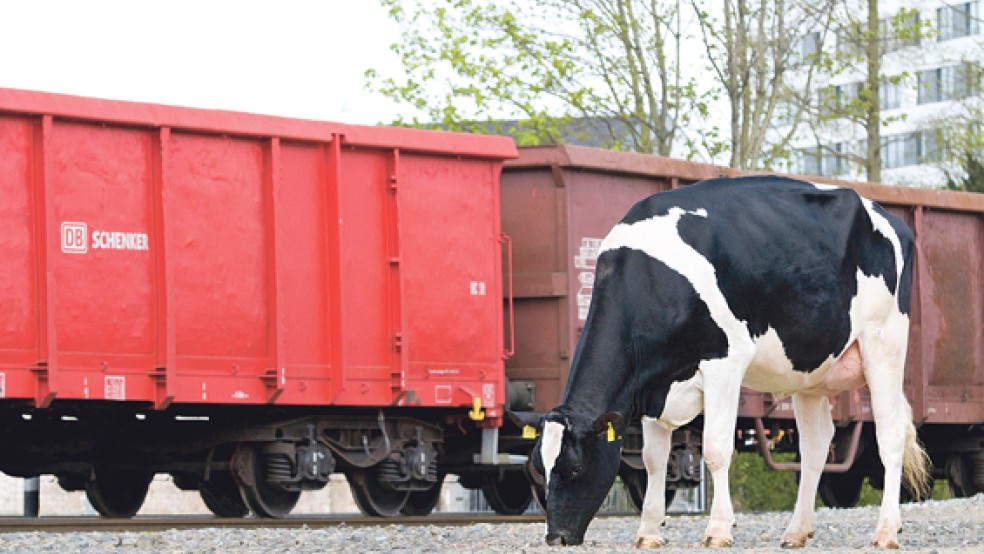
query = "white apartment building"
{"x": 926, "y": 82}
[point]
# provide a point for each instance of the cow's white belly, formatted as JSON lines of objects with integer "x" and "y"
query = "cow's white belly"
{"x": 874, "y": 308}
{"x": 771, "y": 371}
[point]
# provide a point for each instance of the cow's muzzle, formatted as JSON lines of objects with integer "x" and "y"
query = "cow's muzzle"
{"x": 563, "y": 539}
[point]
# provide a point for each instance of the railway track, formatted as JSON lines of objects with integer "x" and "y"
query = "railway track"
{"x": 56, "y": 524}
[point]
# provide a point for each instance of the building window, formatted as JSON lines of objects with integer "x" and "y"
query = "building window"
{"x": 958, "y": 20}
{"x": 888, "y": 94}
{"x": 833, "y": 160}
{"x": 929, "y": 145}
{"x": 847, "y": 93}
{"x": 847, "y": 41}
{"x": 810, "y": 45}
{"x": 929, "y": 86}
{"x": 901, "y": 31}
{"x": 837, "y": 98}
{"x": 910, "y": 148}
{"x": 899, "y": 150}
{"x": 951, "y": 82}
{"x": 809, "y": 161}
{"x": 785, "y": 113}
{"x": 961, "y": 81}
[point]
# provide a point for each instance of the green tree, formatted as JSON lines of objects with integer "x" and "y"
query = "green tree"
{"x": 862, "y": 42}
{"x": 548, "y": 64}
{"x": 756, "y": 488}
{"x": 752, "y": 47}
{"x": 972, "y": 179}
{"x": 957, "y": 134}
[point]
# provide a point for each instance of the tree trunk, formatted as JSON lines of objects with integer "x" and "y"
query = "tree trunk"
{"x": 873, "y": 115}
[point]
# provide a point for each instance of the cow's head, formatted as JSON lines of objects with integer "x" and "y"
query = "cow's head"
{"x": 575, "y": 460}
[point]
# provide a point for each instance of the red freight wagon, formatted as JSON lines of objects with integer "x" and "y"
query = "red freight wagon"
{"x": 246, "y": 302}
{"x": 560, "y": 201}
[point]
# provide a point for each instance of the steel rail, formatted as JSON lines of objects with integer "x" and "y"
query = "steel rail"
{"x": 57, "y": 524}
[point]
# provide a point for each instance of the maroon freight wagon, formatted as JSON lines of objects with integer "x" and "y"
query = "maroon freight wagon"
{"x": 246, "y": 302}
{"x": 559, "y": 202}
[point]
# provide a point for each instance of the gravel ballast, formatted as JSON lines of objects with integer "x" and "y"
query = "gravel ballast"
{"x": 933, "y": 526}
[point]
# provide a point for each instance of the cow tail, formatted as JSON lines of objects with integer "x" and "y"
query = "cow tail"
{"x": 916, "y": 464}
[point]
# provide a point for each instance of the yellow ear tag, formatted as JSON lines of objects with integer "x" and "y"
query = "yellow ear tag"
{"x": 611, "y": 432}
{"x": 529, "y": 432}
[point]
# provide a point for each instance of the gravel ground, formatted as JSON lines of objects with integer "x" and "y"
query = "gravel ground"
{"x": 934, "y": 526}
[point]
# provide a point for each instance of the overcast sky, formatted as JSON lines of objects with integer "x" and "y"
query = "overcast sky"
{"x": 297, "y": 58}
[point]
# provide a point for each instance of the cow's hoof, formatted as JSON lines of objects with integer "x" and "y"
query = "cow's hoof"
{"x": 796, "y": 541}
{"x": 717, "y": 542}
{"x": 649, "y": 542}
{"x": 891, "y": 544}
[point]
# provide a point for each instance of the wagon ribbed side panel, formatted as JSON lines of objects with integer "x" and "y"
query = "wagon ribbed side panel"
{"x": 20, "y": 321}
{"x": 306, "y": 256}
{"x": 101, "y": 268}
{"x": 175, "y": 256}
{"x": 534, "y": 213}
{"x": 946, "y": 357}
{"x": 449, "y": 230}
{"x": 215, "y": 250}
{"x": 369, "y": 281}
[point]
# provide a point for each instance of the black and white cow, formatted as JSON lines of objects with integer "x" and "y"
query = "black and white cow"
{"x": 775, "y": 284}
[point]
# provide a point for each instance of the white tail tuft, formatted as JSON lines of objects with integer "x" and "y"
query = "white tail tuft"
{"x": 916, "y": 464}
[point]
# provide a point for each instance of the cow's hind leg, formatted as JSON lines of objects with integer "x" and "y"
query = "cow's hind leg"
{"x": 683, "y": 403}
{"x": 883, "y": 351}
{"x": 816, "y": 429}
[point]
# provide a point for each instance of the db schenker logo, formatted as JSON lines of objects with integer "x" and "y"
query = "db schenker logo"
{"x": 74, "y": 237}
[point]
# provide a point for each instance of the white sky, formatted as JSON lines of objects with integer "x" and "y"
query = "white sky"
{"x": 295, "y": 58}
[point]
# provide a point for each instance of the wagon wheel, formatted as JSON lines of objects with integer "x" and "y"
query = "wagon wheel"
{"x": 72, "y": 481}
{"x": 221, "y": 495}
{"x": 422, "y": 503}
{"x": 373, "y": 498}
{"x": 118, "y": 494}
{"x": 840, "y": 490}
{"x": 959, "y": 471}
{"x": 635, "y": 481}
{"x": 259, "y": 495}
{"x": 539, "y": 495}
{"x": 508, "y": 495}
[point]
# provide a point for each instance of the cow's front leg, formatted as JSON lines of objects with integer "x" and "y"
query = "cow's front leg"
{"x": 816, "y": 429}
{"x": 722, "y": 387}
{"x": 684, "y": 402}
{"x": 656, "y": 445}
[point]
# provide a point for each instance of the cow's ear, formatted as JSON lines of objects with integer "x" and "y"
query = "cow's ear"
{"x": 553, "y": 415}
{"x": 557, "y": 416}
{"x": 609, "y": 425}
